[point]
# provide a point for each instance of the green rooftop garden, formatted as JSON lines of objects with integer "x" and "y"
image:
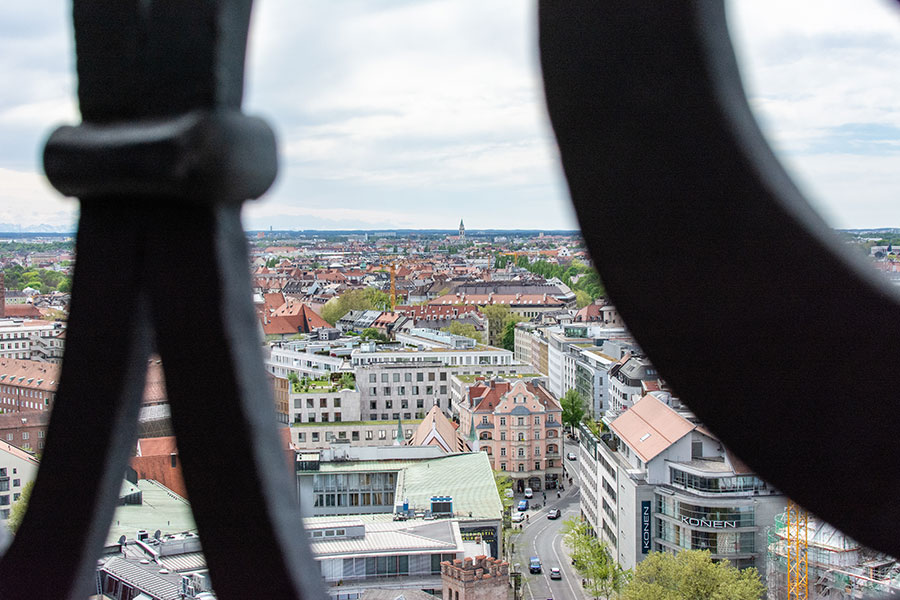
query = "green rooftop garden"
{"x": 337, "y": 382}
{"x": 473, "y": 378}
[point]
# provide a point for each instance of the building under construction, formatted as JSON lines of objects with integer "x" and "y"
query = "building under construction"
{"x": 836, "y": 566}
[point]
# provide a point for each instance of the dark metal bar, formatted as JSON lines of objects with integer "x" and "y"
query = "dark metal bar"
{"x": 161, "y": 164}
{"x": 743, "y": 298}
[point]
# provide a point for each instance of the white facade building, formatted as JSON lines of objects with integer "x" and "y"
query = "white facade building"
{"x": 17, "y": 468}
{"x": 659, "y": 482}
{"x": 32, "y": 340}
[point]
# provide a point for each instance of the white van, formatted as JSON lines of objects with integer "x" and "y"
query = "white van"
{"x": 529, "y": 493}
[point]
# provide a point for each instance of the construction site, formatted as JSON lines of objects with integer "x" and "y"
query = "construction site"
{"x": 809, "y": 559}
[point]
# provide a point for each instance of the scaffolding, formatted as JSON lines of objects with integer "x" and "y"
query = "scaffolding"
{"x": 837, "y": 567}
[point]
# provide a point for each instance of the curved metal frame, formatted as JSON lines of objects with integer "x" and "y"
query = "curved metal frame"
{"x": 734, "y": 286}
{"x": 776, "y": 337}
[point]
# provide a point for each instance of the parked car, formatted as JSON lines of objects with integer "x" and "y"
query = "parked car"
{"x": 523, "y": 504}
{"x": 555, "y": 574}
{"x": 529, "y": 493}
{"x": 518, "y": 517}
{"x": 553, "y": 513}
{"x": 571, "y": 456}
{"x": 510, "y": 493}
{"x": 534, "y": 565}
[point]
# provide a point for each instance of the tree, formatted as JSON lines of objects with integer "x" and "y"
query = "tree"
{"x": 465, "y": 329}
{"x": 602, "y": 574}
{"x": 582, "y": 298}
{"x": 364, "y": 299}
{"x": 19, "y": 507}
{"x": 374, "y": 334}
{"x": 498, "y": 315}
{"x": 572, "y": 408}
{"x": 691, "y": 575}
{"x": 509, "y": 336}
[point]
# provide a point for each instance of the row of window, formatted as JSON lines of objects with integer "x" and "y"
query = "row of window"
{"x": 407, "y": 377}
{"x": 414, "y": 390}
{"x": 717, "y": 542}
{"x": 718, "y": 485}
{"x": 354, "y": 436}
{"x": 520, "y": 421}
{"x": 344, "y": 499}
{"x": 521, "y": 466}
{"x": 323, "y": 403}
{"x": 327, "y": 482}
{"x": 373, "y": 404}
{"x": 25, "y": 435}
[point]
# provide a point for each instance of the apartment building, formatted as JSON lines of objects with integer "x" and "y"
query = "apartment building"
{"x": 518, "y": 423}
{"x": 27, "y": 384}
{"x": 626, "y": 381}
{"x": 17, "y": 468}
{"x": 42, "y": 341}
{"x": 310, "y": 357}
{"x": 658, "y": 481}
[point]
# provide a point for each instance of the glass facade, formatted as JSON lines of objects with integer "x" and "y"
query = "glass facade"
{"x": 375, "y": 490}
{"x": 717, "y": 485}
{"x": 719, "y": 517}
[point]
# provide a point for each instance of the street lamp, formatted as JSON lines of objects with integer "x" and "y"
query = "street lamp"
{"x": 516, "y": 576}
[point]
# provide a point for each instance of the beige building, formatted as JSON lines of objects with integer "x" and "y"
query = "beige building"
{"x": 481, "y": 578}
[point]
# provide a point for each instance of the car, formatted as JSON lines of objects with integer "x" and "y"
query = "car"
{"x": 529, "y": 493}
{"x": 510, "y": 493}
{"x": 553, "y": 513}
{"x": 534, "y": 565}
{"x": 518, "y": 517}
{"x": 571, "y": 456}
{"x": 523, "y": 505}
{"x": 555, "y": 573}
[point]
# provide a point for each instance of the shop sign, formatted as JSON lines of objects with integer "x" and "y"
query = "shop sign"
{"x": 708, "y": 523}
{"x": 645, "y": 527}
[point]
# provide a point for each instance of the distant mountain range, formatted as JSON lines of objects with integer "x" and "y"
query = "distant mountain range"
{"x": 42, "y": 228}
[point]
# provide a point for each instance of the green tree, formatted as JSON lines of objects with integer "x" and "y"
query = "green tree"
{"x": 496, "y": 315}
{"x": 19, "y": 507}
{"x": 374, "y": 334}
{"x": 509, "y": 336}
{"x": 582, "y": 298}
{"x": 362, "y": 299}
{"x": 691, "y": 575}
{"x": 572, "y": 408}
{"x": 602, "y": 574}
{"x": 466, "y": 329}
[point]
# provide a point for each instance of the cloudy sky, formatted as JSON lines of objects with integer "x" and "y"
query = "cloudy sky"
{"x": 418, "y": 113}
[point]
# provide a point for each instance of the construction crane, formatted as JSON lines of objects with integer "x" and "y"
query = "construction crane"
{"x": 393, "y": 287}
{"x": 797, "y": 550}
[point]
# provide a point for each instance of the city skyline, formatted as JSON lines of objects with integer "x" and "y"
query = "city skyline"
{"x": 399, "y": 115}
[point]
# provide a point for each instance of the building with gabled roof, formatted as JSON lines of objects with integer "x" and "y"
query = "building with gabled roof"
{"x": 518, "y": 423}
{"x": 660, "y": 481}
{"x": 17, "y": 468}
{"x": 437, "y": 430}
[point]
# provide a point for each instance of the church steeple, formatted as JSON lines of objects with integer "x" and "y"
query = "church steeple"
{"x": 462, "y": 229}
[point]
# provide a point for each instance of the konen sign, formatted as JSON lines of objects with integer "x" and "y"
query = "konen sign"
{"x": 707, "y": 523}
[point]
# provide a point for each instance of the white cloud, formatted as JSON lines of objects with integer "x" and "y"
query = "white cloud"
{"x": 27, "y": 199}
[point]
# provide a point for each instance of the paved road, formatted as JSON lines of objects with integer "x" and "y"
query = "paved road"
{"x": 540, "y": 537}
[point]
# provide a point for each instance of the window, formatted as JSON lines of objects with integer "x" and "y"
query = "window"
{"x": 404, "y": 404}
{"x": 503, "y": 466}
{"x": 520, "y": 421}
{"x": 384, "y": 378}
{"x": 521, "y": 452}
{"x": 521, "y": 468}
{"x": 407, "y": 377}
{"x": 537, "y": 434}
{"x": 502, "y": 451}
{"x": 337, "y": 402}
{"x": 373, "y": 392}
{"x": 443, "y": 376}
{"x": 537, "y": 420}
{"x": 373, "y": 378}
{"x": 315, "y": 436}
{"x": 484, "y": 419}
{"x": 309, "y": 403}
{"x": 429, "y": 390}
{"x": 387, "y": 391}
{"x": 396, "y": 377}
{"x": 389, "y": 404}
{"x": 537, "y": 465}
{"x": 382, "y": 434}
{"x": 502, "y": 435}
{"x": 415, "y": 390}
{"x": 301, "y": 437}
{"x": 373, "y": 405}
{"x": 323, "y": 402}
{"x": 17, "y": 482}
{"x": 521, "y": 437}
{"x": 420, "y": 376}
{"x": 25, "y": 435}
{"x": 369, "y": 435}
{"x": 354, "y": 436}
{"x": 503, "y": 421}
{"x": 431, "y": 376}
{"x": 420, "y": 403}
{"x": 443, "y": 389}
{"x": 401, "y": 390}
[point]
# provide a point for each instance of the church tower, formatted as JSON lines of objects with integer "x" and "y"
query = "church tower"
{"x": 462, "y": 230}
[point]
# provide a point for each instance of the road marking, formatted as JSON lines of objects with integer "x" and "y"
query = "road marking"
{"x": 561, "y": 567}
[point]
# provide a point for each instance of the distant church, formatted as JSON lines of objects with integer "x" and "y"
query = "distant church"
{"x": 462, "y": 230}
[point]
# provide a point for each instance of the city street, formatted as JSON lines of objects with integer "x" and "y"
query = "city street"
{"x": 541, "y": 537}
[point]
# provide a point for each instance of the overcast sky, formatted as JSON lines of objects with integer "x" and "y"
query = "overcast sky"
{"x": 396, "y": 114}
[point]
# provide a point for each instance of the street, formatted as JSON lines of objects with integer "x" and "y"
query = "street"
{"x": 541, "y": 537}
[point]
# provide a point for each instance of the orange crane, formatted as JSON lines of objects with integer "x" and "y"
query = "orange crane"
{"x": 393, "y": 287}
{"x": 797, "y": 551}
